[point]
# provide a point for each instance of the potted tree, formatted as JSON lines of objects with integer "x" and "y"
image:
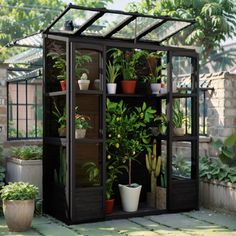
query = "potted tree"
{"x": 25, "y": 164}
{"x": 81, "y": 124}
{"x": 153, "y": 164}
{"x": 112, "y": 73}
{"x": 128, "y": 136}
{"x": 60, "y": 64}
{"x": 18, "y": 205}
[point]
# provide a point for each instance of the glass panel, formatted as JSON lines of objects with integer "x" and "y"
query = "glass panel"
{"x": 182, "y": 116}
{"x": 30, "y": 93}
{"x": 166, "y": 29}
{"x": 22, "y": 92}
{"x": 181, "y": 74}
{"x": 89, "y": 108}
{"x": 181, "y": 160}
{"x": 31, "y": 121}
{"x": 87, "y": 64}
{"x": 87, "y": 165}
{"x": 12, "y": 90}
{"x": 136, "y": 27}
{"x": 72, "y": 20}
{"x": 12, "y": 114}
{"x": 105, "y": 24}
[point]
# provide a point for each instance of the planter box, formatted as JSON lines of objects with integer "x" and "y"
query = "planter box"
{"x": 25, "y": 170}
{"x": 216, "y": 194}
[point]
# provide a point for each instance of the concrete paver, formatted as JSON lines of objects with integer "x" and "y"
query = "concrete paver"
{"x": 195, "y": 223}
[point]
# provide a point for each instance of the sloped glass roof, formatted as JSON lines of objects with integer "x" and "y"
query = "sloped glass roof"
{"x": 104, "y": 23}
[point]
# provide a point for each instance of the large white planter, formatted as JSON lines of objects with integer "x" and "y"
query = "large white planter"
{"x": 156, "y": 88}
{"x": 25, "y": 170}
{"x": 111, "y": 88}
{"x": 18, "y": 214}
{"x": 218, "y": 195}
{"x": 129, "y": 197}
{"x": 83, "y": 84}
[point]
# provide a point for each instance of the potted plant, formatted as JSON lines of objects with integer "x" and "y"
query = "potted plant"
{"x": 128, "y": 136}
{"x": 178, "y": 119}
{"x": 127, "y": 61}
{"x": 61, "y": 120}
{"x": 81, "y": 124}
{"x": 84, "y": 82}
{"x": 81, "y": 72}
{"x": 25, "y": 164}
{"x": 18, "y": 205}
{"x": 153, "y": 164}
{"x": 112, "y": 73}
{"x": 60, "y": 64}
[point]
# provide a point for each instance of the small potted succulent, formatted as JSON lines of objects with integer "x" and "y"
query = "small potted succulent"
{"x": 84, "y": 82}
{"x": 112, "y": 73}
{"x": 18, "y": 205}
{"x": 60, "y": 64}
{"x": 81, "y": 124}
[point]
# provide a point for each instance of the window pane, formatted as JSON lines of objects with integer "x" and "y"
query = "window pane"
{"x": 12, "y": 93}
{"x": 22, "y": 92}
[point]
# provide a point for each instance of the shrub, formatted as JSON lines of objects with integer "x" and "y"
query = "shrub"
{"x": 27, "y": 152}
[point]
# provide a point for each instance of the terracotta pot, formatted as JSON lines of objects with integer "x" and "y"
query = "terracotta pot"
{"x": 109, "y": 205}
{"x": 128, "y": 86}
{"x": 18, "y": 214}
{"x": 63, "y": 85}
{"x": 80, "y": 133}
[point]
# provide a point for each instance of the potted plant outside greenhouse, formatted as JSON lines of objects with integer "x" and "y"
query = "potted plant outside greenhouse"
{"x": 25, "y": 164}
{"x": 18, "y": 205}
{"x": 128, "y": 136}
{"x": 112, "y": 73}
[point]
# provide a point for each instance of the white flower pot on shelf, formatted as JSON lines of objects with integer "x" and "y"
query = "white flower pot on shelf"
{"x": 80, "y": 133}
{"x": 130, "y": 197}
{"x": 111, "y": 88}
{"x": 83, "y": 84}
{"x": 155, "y": 87}
{"x": 179, "y": 131}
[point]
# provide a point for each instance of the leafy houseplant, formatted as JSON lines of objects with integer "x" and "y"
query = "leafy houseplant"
{"x": 60, "y": 64}
{"x": 128, "y": 136}
{"x": 127, "y": 61}
{"x": 18, "y": 205}
{"x": 81, "y": 124}
{"x": 112, "y": 73}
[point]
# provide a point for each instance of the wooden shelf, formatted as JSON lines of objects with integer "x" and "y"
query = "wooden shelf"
{"x": 62, "y": 141}
{"x": 164, "y": 95}
{"x": 186, "y": 138}
{"x": 89, "y": 140}
{"x": 63, "y": 93}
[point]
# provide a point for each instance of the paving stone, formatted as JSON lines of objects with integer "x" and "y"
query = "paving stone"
{"x": 41, "y": 220}
{"x": 222, "y": 219}
{"x": 53, "y": 229}
{"x": 4, "y": 231}
{"x": 157, "y": 228}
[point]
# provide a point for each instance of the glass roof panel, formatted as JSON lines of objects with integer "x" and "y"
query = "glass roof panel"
{"x": 77, "y": 16}
{"x": 165, "y": 30}
{"x": 105, "y": 24}
{"x": 141, "y": 24}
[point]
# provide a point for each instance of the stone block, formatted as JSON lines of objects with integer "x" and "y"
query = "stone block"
{"x": 230, "y": 113}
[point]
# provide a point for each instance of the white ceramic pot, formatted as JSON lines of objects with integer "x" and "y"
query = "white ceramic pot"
{"x": 18, "y": 214}
{"x": 129, "y": 197}
{"x": 111, "y": 88}
{"x": 155, "y": 87}
{"x": 80, "y": 133}
{"x": 83, "y": 84}
{"x": 179, "y": 131}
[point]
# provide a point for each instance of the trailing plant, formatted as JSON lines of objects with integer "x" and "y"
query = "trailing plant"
{"x": 214, "y": 169}
{"x": 226, "y": 149}
{"x": 128, "y": 132}
{"x": 27, "y": 152}
{"x": 80, "y": 60}
{"x": 112, "y": 72}
{"x": 59, "y": 63}
{"x": 153, "y": 164}
{"x": 19, "y": 191}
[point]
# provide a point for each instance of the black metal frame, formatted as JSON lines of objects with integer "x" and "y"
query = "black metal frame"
{"x": 103, "y": 43}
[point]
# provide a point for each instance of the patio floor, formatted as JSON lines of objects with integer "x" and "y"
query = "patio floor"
{"x": 195, "y": 223}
